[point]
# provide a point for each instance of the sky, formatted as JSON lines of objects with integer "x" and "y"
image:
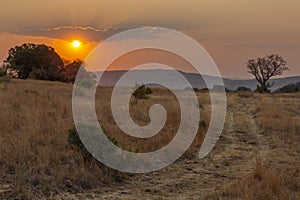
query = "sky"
{"x": 231, "y": 31}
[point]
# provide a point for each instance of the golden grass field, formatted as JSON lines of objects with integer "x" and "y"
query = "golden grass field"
{"x": 256, "y": 157}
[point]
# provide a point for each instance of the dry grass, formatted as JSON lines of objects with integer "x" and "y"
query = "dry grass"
{"x": 36, "y": 158}
{"x": 279, "y": 113}
{"x": 262, "y": 184}
{"x": 277, "y": 174}
{"x": 37, "y": 161}
{"x": 139, "y": 110}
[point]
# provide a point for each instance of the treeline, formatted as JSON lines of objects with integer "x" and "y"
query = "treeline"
{"x": 290, "y": 88}
{"x": 41, "y": 62}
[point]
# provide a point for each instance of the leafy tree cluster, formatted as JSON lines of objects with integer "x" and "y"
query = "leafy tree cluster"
{"x": 38, "y": 61}
{"x": 70, "y": 71}
{"x": 35, "y": 61}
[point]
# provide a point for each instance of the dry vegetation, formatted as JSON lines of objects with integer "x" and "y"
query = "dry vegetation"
{"x": 36, "y": 158}
{"x": 139, "y": 110}
{"x": 276, "y": 170}
{"x": 256, "y": 159}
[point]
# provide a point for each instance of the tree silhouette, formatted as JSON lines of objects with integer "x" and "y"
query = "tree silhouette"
{"x": 266, "y": 67}
{"x": 36, "y": 61}
{"x": 71, "y": 69}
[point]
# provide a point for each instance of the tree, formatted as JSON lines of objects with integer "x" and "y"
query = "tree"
{"x": 77, "y": 69}
{"x": 36, "y": 61}
{"x": 142, "y": 92}
{"x": 71, "y": 70}
{"x": 265, "y": 68}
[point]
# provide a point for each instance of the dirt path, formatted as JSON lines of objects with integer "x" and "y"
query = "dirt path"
{"x": 193, "y": 178}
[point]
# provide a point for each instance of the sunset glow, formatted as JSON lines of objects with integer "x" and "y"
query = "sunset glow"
{"x": 149, "y": 99}
{"x": 228, "y": 30}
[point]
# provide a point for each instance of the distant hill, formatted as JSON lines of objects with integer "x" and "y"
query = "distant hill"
{"x": 110, "y": 78}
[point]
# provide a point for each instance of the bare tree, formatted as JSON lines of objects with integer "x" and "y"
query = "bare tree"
{"x": 265, "y": 68}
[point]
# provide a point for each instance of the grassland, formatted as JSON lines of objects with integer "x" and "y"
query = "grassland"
{"x": 257, "y": 156}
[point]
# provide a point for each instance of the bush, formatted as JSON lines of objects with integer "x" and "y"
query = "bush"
{"x": 267, "y": 89}
{"x": 202, "y": 124}
{"x": 87, "y": 82}
{"x": 243, "y": 89}
{"x": 290, "y": 88}
{"x": 220, "y": 88}
{"x": 142, "y": 92}
{"x": 2, "y": 73}
{"x": 196, "y": 89}
{"x": 75, "y": 143}
{"x": 85, "y": 79}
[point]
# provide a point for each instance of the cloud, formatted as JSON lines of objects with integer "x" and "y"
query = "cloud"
{"x": 86, "y": 33}
{"x": 231, "y": 30}
{"x": 73, "y": 32}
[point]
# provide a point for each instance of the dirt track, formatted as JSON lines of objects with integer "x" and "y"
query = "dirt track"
{"x": 192, "y": 178}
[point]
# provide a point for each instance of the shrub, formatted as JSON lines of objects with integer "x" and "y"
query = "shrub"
{"x": 75, "y": 143}
{"x": 142, "y": 92}
{"x": 2, "y": 73}
{"x": 290, "y": 88}
{"x": 243, "y": 89}
{"x": 87, "y": 82}
{"x": 220, "y": 88}
{"x": 196, "y": 89}
{"x": 204, "y": 90}
{"x": 265, "y": 89}
{"x": 202, "y": 124}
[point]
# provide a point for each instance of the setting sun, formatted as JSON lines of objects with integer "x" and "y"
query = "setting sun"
{"x": 76, "y": 43}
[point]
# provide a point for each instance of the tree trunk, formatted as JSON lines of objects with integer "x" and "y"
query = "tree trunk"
{"x": 264, "y": 88}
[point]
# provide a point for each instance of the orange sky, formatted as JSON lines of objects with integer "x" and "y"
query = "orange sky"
{"x": 232, "y": 31}
{"x": 63, "y": 47}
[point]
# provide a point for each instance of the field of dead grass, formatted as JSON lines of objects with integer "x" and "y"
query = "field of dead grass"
{"x": 37, "y": 161}
{"x": 36, "y": 158}
{"x": 275, "y": 174}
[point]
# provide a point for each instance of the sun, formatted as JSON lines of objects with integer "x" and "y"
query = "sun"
{"x": 76, "y": 43}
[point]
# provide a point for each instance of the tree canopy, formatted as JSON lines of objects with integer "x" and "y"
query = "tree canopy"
{"x": 266, "y": 67}
{"x": 71, "y": 69}
{"x": 36, "y": 61}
